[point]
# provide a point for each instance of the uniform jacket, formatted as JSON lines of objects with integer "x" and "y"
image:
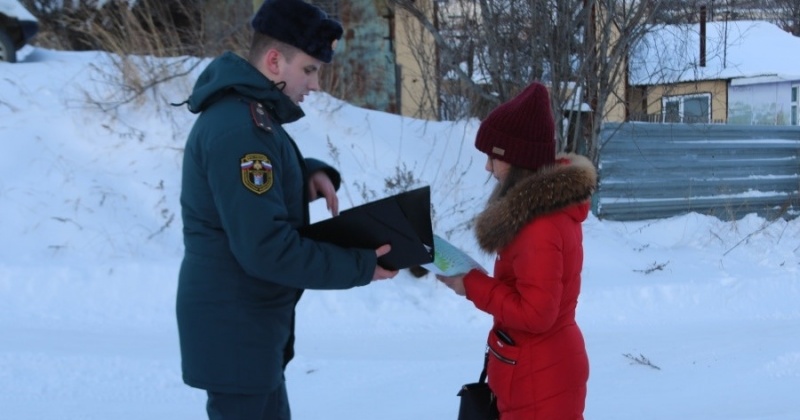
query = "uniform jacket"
{"x": 535, "y": 229}
{"x": 243, "y": 197}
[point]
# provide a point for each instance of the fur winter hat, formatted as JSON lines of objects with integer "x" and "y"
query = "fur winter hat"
{"x": 299, "y": 24}
{"x": 521, "y": 131}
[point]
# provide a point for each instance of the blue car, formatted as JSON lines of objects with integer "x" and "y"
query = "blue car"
{"x": 17, "y": 27}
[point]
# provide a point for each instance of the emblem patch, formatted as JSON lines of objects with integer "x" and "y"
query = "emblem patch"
{"x": 256, "y": 172}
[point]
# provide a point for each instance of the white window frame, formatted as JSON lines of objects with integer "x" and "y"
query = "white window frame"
{"x": 680, "y": 100}
{"x": 794, "y": 118}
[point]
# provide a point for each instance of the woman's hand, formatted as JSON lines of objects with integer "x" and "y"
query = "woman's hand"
{"x": 454, "y": 282}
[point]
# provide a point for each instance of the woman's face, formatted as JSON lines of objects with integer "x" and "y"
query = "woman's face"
{"x": 498, "y": 168}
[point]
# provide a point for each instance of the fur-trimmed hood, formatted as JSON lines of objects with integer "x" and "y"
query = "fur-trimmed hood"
{"x": 570, "y": 181}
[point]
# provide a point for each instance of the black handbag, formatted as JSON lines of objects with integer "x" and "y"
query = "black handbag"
{"x": 477, "y": 400}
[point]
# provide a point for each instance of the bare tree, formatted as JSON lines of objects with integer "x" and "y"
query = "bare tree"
{"x": 787, "y": 14}
{"x": 490, "y": 50}
{"x": 613, "y": 27}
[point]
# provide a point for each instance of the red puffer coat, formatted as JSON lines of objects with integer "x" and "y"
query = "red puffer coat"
{"x": 538, "y": 367}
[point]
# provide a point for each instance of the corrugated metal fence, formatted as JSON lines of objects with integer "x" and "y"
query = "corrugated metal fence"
{"x": 650, "y": 171}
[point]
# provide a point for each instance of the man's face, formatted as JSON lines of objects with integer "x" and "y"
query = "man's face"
{"x": 300, "y": 72}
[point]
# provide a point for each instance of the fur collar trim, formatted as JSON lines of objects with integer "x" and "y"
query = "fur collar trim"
{"x": 571, "y": 180}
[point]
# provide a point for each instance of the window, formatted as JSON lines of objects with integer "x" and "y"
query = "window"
{"x": 687, "y": 108}
{"x": 795, "y": 110}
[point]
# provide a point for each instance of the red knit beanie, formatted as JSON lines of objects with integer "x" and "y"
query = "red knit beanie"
{"x": 521, "y": 131}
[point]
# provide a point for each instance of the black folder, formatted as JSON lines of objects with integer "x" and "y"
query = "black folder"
{"x": 402, "y": 220}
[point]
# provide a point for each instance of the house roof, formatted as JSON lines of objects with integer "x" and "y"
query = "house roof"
{"x": 734, "y": 50}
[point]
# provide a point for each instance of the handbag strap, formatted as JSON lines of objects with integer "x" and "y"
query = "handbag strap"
{"x": 485, "y": 363}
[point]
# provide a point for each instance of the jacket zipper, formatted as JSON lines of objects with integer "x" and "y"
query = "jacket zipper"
{"x": 502, "y": 358}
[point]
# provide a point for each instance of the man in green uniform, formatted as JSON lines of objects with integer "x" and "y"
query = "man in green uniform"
{"x": 245, "y": 192}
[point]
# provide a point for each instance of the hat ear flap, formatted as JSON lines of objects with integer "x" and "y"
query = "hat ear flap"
{"x": 319, "y": 40}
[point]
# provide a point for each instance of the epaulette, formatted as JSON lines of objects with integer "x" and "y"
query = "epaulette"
{"x": 260, "y": 116}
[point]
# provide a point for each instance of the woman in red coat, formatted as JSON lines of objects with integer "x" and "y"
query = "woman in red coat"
{"x": 537, "y": 367}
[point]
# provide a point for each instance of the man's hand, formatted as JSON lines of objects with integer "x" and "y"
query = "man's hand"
{"x": 380, "y": 272}
{"x": 320, "y": 185}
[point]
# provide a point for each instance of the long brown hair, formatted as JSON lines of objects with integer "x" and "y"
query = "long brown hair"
{"x": 515, "y": 174}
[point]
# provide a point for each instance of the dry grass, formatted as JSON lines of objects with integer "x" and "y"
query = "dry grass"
{"x": 133, "y": 31}
{"x": 162, "y": 28}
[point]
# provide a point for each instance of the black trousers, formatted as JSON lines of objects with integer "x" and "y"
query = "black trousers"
{"x": 271, "y": 406}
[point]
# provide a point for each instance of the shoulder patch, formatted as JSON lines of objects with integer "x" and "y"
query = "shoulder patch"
{"x": 260, "y": 116}
{"x": 256, "y": 172}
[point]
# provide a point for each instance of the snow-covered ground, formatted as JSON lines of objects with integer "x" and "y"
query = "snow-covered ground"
{"x": 684, "y": 318}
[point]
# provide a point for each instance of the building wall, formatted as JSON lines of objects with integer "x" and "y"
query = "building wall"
{"x": 363, "y": 71}
{"x": 416, "y": 59}
{"x": 717, "y": 88}
{"x": 761, "y": 104}
{"x": 614, "y": 109}
{"x": 636, "y": 100}
{"x": 385, "y": 60}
